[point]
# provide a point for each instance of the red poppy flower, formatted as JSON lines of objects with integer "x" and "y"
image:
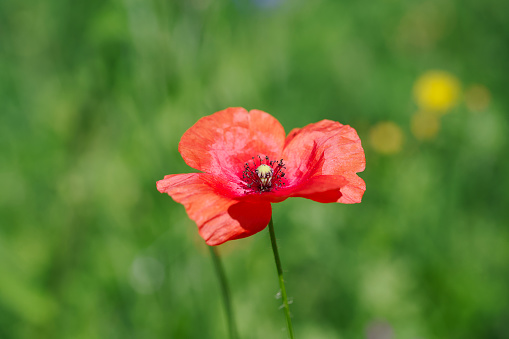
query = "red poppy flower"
{"x": 248, "y": 163}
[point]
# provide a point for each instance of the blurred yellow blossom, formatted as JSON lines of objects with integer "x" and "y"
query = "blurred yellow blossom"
{"x": 386, "y": 137}
{"x": 421, "y": 27}
{"x": 477, "y": 98}
{"x": 436, "y": 91}
{"x": 425, "y": 125}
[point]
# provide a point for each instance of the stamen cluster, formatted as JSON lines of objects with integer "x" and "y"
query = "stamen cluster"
{"x": 264, "y": 176}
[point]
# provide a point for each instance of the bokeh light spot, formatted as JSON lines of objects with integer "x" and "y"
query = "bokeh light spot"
{"x": 425, "y": 125}
{"x": 147, "y": 275}
{"x": 477, "y": 98}
{"x": 420, "y": 27}
{"x": 386, "y": 137}
{"x": 379, "y": 330}
{"x": 437, "y": 91}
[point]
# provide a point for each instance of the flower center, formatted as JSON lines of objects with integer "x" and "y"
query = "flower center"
{"x": 263, "y": 175}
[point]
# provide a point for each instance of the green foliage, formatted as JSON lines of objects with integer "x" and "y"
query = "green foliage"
{"x": 96, "y": 94}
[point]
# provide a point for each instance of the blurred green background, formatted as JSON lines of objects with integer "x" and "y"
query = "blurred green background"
{"x": 95, "y": 96}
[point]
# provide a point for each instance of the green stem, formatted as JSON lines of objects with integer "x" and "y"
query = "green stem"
{"x": 232, "y": 329}
{"x": 281, "y": 280}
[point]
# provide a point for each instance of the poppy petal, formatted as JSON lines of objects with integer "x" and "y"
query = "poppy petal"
{"x": 221, "y": 143}
{"x": 318, "y": 184}
{"x": 218, "y": 217}
{"x": 331, "y": 188}
{"x": 326, "y": 148}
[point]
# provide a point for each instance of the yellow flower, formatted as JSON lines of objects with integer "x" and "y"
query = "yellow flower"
{"x": 477, "y": 98}
{"x": 425, "y": 125}
{"x": 386, "y": 137}
{"x": 436, "y": 91}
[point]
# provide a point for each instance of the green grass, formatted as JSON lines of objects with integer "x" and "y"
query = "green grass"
{"x": 95, "y": 96}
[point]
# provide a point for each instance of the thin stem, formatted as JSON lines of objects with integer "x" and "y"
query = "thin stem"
{"x": 281, "y": 280}
{"x": 232, "y": 329}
